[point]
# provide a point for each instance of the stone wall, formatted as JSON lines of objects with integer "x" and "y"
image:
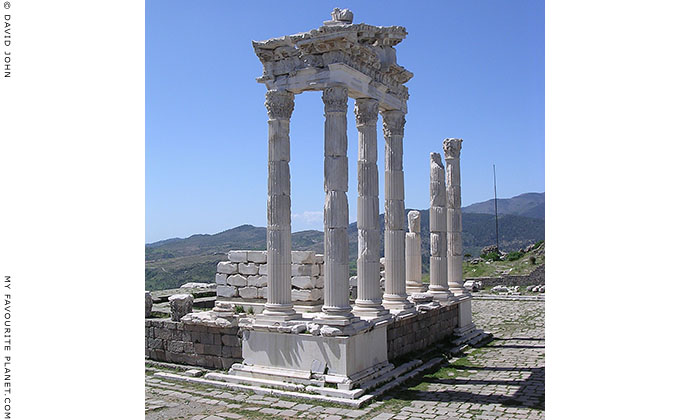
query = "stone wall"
{"x": 191, "y": 344}
{"x": 536, "y": 277}
{"x": 416, "y": 333}
{"x": 244, "y": 276}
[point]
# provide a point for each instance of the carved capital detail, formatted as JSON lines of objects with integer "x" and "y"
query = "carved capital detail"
{"x": 366, "y": 111}
{"x": 280, "y": 104}
{"x": 451, "y": 148}
{"x": 335, "y": 99}
{"x": 393, "y": 123}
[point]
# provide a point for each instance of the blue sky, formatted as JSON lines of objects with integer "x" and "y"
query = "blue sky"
{"x": 478, "y": 74}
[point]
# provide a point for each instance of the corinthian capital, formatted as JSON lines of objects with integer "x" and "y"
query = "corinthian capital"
{"x": 366, "y": 111}
{"x": 393, "y": 123}
{"x": 280, "y": 104}
{"x": 335, "y": 99}
{"x": 451, "y": 148}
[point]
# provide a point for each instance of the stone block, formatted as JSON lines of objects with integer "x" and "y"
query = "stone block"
{"x": 263, "y": 269}
{"x": 221, "y": 279}
{"x": 303, "y": 282}
{"x": 257, "y": 281}
{"x": 237, "y": 280}
{"x": 248, "y": 268}
{"x": 237, "y": 256}
{"x": 230, "y": 340}
{"x": 307, "y": 295}
{"x": 318, "y": 281}
{"x": 304, "y": 270}
{"x": 226, "y": 291}
{"x": 149, "y": 305}
{"x": 249, "y": 292}
{"x": 154, "y": 343}
{"x": 263, "y": 292}
{"x": 180, "y": 305}
{"x": 318, "y": 258}
{"x": 258, "y": 257}
{"x": 226, "y": 267}
{"x": 303, "y": 257}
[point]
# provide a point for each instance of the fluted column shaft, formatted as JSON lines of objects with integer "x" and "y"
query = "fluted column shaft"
{"x": 336, "y": 307}
{"x": 451, "y": 150}
{"x": 368, "y": 304}
{"x": 395, "y": 296}
{"x": 413, "y": 254}
{"x": 438, "y": 263}
{"x": 278, "y": 230}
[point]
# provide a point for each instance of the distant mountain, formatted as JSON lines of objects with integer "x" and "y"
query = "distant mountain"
{"x": 173, "y": 262}
{"x": 527, "y": 205}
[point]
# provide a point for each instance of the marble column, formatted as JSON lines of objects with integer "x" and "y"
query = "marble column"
{"x": 413, "y": 254}
{"x": 451, "y": 150}
{"x": 395, "y": 297}
{"x": 368, "y": 304}
{"x": 278, "y": 240}
{"x": 438, "y": 259}
{"x": 336, "y": 308}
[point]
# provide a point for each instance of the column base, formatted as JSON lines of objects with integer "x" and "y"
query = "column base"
{"x": 398, "y": 305}
{"x": 277, "y": 313}
{"x": 373, "y": 312}
{"x": 442, "y": 295}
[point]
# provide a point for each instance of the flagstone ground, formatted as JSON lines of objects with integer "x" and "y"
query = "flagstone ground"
{"x": 504, "y": 379}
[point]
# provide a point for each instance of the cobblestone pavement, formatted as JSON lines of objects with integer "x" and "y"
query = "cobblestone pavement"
{"x": 503, "y": 380}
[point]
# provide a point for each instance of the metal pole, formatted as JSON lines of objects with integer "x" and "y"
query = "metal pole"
{"x": 496, "y": 208}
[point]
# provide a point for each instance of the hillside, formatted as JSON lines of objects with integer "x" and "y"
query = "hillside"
{"x": 527, "y": 205}
{"x": 172, "y": 262}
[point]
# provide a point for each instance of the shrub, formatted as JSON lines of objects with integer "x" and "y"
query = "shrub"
{"x": 491, "y": 256}
{"x": 239, "y": 309}
{"x": 533, "y": 259}
{"x": 515, "y": 255}
{"x": 250, "y": 310}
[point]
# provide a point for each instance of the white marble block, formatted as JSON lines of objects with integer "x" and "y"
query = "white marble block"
{"x": 226, "y": 291}
{"x": 221, "y": 279}
{"x": 303, "y": 257}
{"x": 226, "y": 267}
{"x": 248, "y": 268}
{"x": 257, "y": 281}
{"x": 257, "y": 257}
{"x": 237, "y": 256}
{"x": 249, "y": 292}
{"x": 237, "y": 280}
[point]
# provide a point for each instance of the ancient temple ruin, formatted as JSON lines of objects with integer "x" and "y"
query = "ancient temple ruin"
{"x": 343, "y": 350}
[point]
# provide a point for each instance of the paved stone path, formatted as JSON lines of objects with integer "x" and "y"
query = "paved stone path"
{"x": 503, "y": 380}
